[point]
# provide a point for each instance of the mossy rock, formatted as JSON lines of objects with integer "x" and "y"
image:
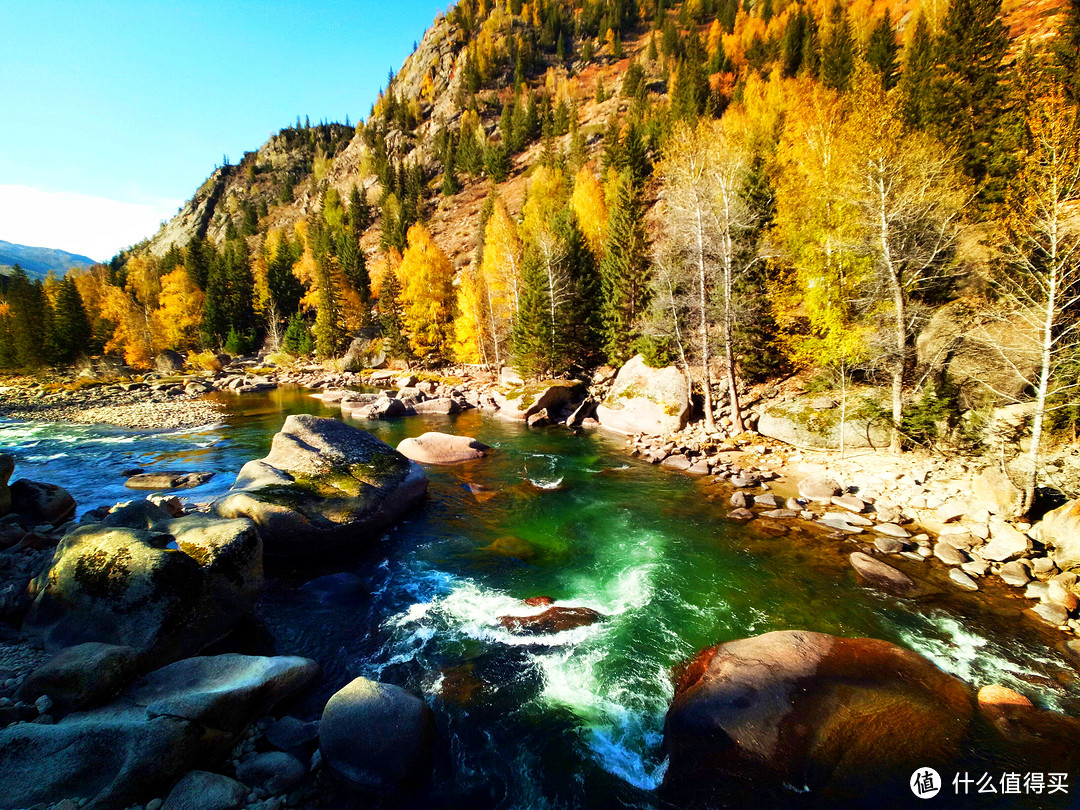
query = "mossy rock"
{"x": 646, "y": 400}
{"x": 324, "y": 485}
{"x": 799, "y": 423}
{"x": 166, "y": 591}
{"x": 556, "y": 396}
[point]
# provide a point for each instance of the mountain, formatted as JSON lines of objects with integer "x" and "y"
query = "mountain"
{"x": 38, "y": 261}
{"x": 470, "y": 67}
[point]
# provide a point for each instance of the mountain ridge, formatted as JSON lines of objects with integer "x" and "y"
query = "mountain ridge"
{"x": 38, "y": 261}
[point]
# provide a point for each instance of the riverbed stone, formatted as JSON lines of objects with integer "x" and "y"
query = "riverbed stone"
{"x": 1051, "y": 613}
{"x": 818, "y": 489}
{"x": 377, "y": 736}
{"x": 848, "y": 517}
{"x": 167, "y": 591}
{"x": 646, "y": 400}
{"x": 441, "y": 406}
{"x": 948, "y": 553}
{"x": 889, "y": 545}
{"x": 274, "y": 771}
{"x": 849, "y": 502}
{"x": 1060, "y": 530}
{"x": 41, "y": 502}
{"x": 324, "y": 485}
{"x": 203, "y": 790}
{"x": 742, "y": 499}
{"x": 883, "y": 575}
{"x": 1006, "y": 542}
{"x": 175, "y": 719}
{"x": 442, "y": 448}
{"x": 1060, "y": 594}
{"x": 290, "y": 733}
{"x": 892, "y": 530}
{"x": 846, "y": 718}
{"x": 82, "y": 676}
{"x": 1015, "y": 573}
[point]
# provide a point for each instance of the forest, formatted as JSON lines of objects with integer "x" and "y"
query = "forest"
{"x": 781, "y": 186}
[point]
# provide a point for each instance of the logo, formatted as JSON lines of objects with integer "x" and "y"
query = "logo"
{"x": 925, "y": 783}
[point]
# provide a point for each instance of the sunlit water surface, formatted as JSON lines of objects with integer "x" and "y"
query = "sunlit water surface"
{"x": 568, "y": 720}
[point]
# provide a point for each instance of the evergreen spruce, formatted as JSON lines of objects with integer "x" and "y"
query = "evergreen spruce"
{"x": 838, "y": 50}
{"x": 624, "y": 273}
{"x": 918, "y": 73}
{"x": 967, "y": 95}
{"x": 71, "y": 334}
{"x": 882, "y": 50}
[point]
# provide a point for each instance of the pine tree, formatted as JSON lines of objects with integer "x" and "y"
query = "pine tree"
{"x": 297, "y": 339}
{"x": 71, "y": 333}
{"x": 329, "y": 329}
{"x": 881, "y": 52}
{"x": 967, "y": 95}
{"x": 838, "y": 50}
{"x": 532, "y": 338}
{"x": 624, "y": 273}
{"x": 918, "y": 73}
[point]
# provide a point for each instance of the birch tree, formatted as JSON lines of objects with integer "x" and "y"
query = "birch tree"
{"x": 707, "y": 219}
{"x": 1040, "y": 285}
{"x": 909, "y": 198}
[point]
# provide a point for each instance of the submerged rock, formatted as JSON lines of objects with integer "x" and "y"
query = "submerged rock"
{"x": 442, "y": 448}
{"x": 645, "y": 400}
{"x": 324, "y": 485}
{"x": 850, "y": 719}
{"x": 175, "y": 719}
{"x": 166, "y": 591}
{"x": 377, "y": 736}
{"x": 884, "y": 576}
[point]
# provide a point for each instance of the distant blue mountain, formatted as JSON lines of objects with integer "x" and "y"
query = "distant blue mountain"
{"x": 38, "y": 261}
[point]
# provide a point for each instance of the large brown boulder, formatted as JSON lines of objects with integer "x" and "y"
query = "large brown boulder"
{"x": 166, "y": 591}
{"x": 849, "y": 719}
{"x": 647, "y": 400}
{"x": 324, "y": 485}
{"x": 442, "y": 448}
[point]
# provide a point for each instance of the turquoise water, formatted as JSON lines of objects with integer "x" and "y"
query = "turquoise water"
{"x": 573, "y": 719}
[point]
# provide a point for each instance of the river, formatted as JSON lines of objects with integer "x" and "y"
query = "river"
{"x": 572, "y": 719}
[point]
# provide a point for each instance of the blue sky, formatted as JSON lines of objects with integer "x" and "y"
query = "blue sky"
{"x": 115, "y": 111}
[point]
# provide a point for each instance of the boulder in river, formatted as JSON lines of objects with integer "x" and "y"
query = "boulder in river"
{"x": 44, "y": 503}
{"x": 82, "y": 676}
{"x": 554, "y": 396}
{"x": 167, "y": 591}
{"x": 203, "y": 790}
{"x": 555, "y": 619}
{"x": 849, "y": 719}
{"x": 324, "y": 485}
{"x": 377, "y": 736}
{"x": 442, "y": 448}
{"x": 177, "y": 718}
{"x": 645, "y": 400}
{"x": 884, "y": 576}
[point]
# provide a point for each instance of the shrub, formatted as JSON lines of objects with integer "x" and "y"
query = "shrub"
{"x": 297, "y": 339}
{"x": 657, "y": 351}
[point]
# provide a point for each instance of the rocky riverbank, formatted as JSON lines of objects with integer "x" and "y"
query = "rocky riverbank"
{"x": 98, "y": 665}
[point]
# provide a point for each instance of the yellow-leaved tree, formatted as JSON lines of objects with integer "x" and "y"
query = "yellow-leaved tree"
{"x": 590, "y": 207}
{"x": 501, "y": 274}
{"x": 427, "y": 295}
{"x": 175, "y": 322}
{"x": 471, "y": 324}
